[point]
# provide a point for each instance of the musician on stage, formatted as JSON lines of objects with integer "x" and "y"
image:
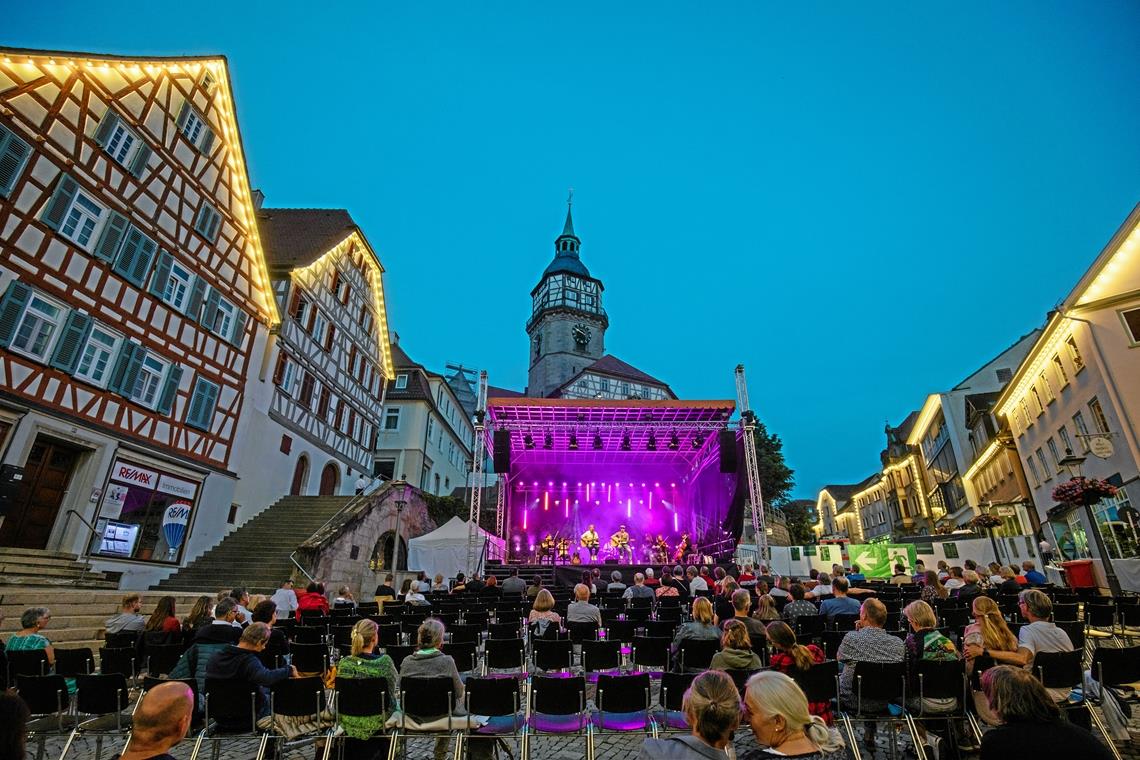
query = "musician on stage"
{"x": 546, "y": 549}
{"x": 564, "y": 550}
{"x": 684, "y": 548}
{"x": 620, "y": 541}
{"x": 660, "y": 549}
{"x": 590, "y": 541}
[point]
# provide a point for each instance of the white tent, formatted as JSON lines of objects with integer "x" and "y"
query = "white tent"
{"x": 444, "y": 550}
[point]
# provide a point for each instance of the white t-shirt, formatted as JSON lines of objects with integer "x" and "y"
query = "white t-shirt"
{"x": 286, "y": 601}
{"x": 953, "y": 583}
{"x": 697, "y": 584}
{"x": 1041, "y": 636}
{"x": 822, "y": 589}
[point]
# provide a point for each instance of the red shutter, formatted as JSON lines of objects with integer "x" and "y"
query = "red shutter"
{"x": 329, "y": 337}
{"x": 351, "y": 421}
{"x": 351, "y": 358}
{"x": 335, "y": 280}
{"x": 295, "y": 303}
{"x": 323, "y": 404}
{"x": 307, "y": 391}
{"x": 279, "y": 370}
{"x": 339, "y": 415}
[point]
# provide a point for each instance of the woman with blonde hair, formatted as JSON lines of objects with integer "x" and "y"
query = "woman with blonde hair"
{"x": 777, "y": 710}
{"x": 988, "y": 633}
{"x": 766, "y": 608}
{"x": 788, "y": 655}
{"x": 735, "y": 649}
{"x": 712, "y": 710}
{"x": 700, "y": 627}
{"x": 543, "y": 614}
{"x": 361, "y": 730}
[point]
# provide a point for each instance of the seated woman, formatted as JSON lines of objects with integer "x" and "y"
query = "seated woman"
{"x": 700, "y": 627}
{"x": 988, "y": 633}
{"x": 29, "y": 638}
{"x": 542, "y": 615}
{"x": 363, "y": 662}
{"x": 1032, "y": 724}
{"x": 312, "y": 599}
{"x": 788, "y": 655}
{"x": 428, "y": 661}
{"x": 200, "y": 614}
{"x": 926, "y": 643}
{"x": 163, "y": 626}
{"x": 344, "y": 597}
{"x": 766, "y": 608}
{"x": 712, "y": 709}
{"x": 735, "y": 649}
{"x": 777, "y": 710}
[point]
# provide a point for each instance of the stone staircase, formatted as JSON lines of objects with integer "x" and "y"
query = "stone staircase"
{"x": 256, "y": 555}
{"x": 28, "y": 568}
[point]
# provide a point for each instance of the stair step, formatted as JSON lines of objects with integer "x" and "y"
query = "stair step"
{"x": 50, "y": 571}
{"x": 12, "y": 551}
{"x": 55, "y": 582}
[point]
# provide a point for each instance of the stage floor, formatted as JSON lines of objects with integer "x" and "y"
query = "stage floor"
{"x": 568, "y": 575}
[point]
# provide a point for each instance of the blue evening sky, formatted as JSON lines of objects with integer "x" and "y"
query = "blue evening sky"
{"x": 860, "y": 202}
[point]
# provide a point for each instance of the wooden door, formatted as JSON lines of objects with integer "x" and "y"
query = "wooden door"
{"x": 47, "y": 473}
{"x": 300, "y": 475}
{"x": 329, "y": 480}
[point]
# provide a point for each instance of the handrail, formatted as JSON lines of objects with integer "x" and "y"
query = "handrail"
{"x": 373, "y": 486}
{"x": 87, "y": 542}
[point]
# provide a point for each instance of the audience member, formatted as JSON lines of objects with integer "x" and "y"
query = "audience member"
{"x": 312, "y": 599}
{"x": 1033, "y": 576}
{"x": 919, "y": 571}
{"x": 700, "y": 627}
{"x": 128, "y": 619}
{"x": 943, "y": 570}
{"x": 706, "y": 576}
{"x": 615, "y": 583}
{"x": 990, "y": 632}
{"x": 735, "y": 649}
{"x": 200, "y": 614}
{"x": 491, "y": 587}
{"x": 209, "y": 640}
{"x": 1008, "y": 584}
{"x": 926, "y": 643}
{"x": 799, "y": 605}
{"x": 14, "y": 716}
{"x": 933, "y": 589}
{"x": 514, "y": 585}
{"x": 543, "y": 609}
{"x": 428, "y": 661}
{"x": 475, "y": 584}
{"x": 240, "y": 664}
{"x": 588, "y": 581}
{"x": 840, "y": 604}
{"x": 696, "y": 582}
{"x": 741, "y": 606}
{"x": 970, "y": 589}
{"x": 241, "y": 596}
{"x": 285, "y": 598}
{"x": 712, "y": 711}
{"x": 856, "y": 574}
{"x": 163, "y": 619}
{"x": 438, "y": 583}
{"x": 763, "y": 576}
{"x": 718, "y": 576}
{"x": 159, "y": 722}
{"x": 534, "y": 587}
{"x": 266, "y": 612}
{"x": 1018, "y": 576}
{"x": 29, "y": 638}
{"x": 766, "y": 608}
{"x": 822, "y": 588}
{"x": 867, "y": 643}
{"x": 901, "y": 576}
{"x": 746, "y": 575}
{"x": 783, "y": 584}
{"x": 580, "y": 610}
{"x": 365, "y": 733}
{"x": 639, "y": 590}
{"x": 415, "y": 597}
{"x": 722, "y": 600}
{"x": 1032, "y": 724}
{"x": 777, "y": 710}
{"x": 423, "y": 585}
{"x": 459, "y": 587}
{"x": 384, "y": 591}
{"x": 680, "y": 581}
{"x": 995, "y": 576}
{"x": 954, "y": 580}
{"x": 344, "y": 598}
{"x": 651, "y": 579}
{"x": 788, "y": 656}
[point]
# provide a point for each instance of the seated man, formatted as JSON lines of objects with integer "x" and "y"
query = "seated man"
{"x": 128, "y": 619}
{"x": 1032, "y": 575}
{"x": 799, "y": 605}
{"x": 840, "y": 603}
{"x": 580, "y": 610}
{"x": 160, "y": 721}
{"x": 867, "y": 643}
{"x": 241, "y": 664}
{"x": 638, "y": 590}
{"x": 615, "y": 583}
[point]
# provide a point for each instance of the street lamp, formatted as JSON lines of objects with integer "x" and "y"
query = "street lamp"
{"x": 400, "y": 486}
{"x": 1073, "y": 463}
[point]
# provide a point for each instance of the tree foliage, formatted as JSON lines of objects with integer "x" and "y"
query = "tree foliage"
{"x": 800, "y": 521}
{"x": 443, "y": 508}
{"x": 776, "y": 478}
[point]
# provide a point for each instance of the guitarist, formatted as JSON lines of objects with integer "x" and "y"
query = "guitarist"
{"x": 591, "y": 543}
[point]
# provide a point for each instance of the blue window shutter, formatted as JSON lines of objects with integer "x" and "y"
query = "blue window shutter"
{"x": 139, "y": 162}
{"x": 134, "y": 257}
{"x": 215, "y": 225}
{"x": 60, "y": 201}
{"x": 210, "y": 310}
{"x": 106, "y": 128}
{"x": 126, "y": 369}
{"x": 144, "y": 256}
{"x": 169, "y": 389}
{"x": 161, "y": 273}
{"x": 71, "y": 342}
{"x": 203, "y": 402}
{"x": 111, "y": 238}
{"x": 207, "y": 141}
{"x": 14, "y": 153}
{"x": 183, "y": 114}
{"x": 239, "y": 327}
{"x": 197, "y": 293}
{"x": 11, "y": 307}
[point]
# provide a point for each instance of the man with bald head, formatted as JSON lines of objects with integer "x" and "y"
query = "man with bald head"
{"x": 160, "y": 722}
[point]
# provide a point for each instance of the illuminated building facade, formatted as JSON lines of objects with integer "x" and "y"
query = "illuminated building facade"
{"x": 134, "y": 298}
{"x": 1077, "y": 390}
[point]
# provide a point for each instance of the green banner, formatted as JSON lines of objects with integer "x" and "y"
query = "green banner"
{"x": 879, "y": 560}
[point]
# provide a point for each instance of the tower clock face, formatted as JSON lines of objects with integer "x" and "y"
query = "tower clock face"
{"x": 581, "y": 335}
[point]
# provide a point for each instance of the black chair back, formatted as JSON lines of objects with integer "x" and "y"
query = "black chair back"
{"x": 934, "y": 679}
{"x": 809, "y": 626}
{"x": 464, "y": 655}
{"x": 118, "y": 660}
{"x": 232, "y": 704}
{"x": 398, "y": 653}
{"x": 673, "y": 688}
{"x": 297, "y": 697}
{"x": 1116, "y": 666}
{"x": 30, "y": 662}
{"x": 844, "y": 621}
{"x": 601, "y": 655}
{"x": 124, "y": 640}
{"x": 388, "y": 633}
{"x": 310, "y": 658}
{"x": 362, "y": 697}
{"x": 879, "y": 682}
{"x": 551, "y": 695}
{"x": 623, "y": 694}
{"x": 1059, "y": 670}
{"x": 1100, "y": 616}
{"x": 955, "y": 617}
{"x": 660, "y": 628}
{"x": 696, "y": 653}
{"x": 44, "y": 695}
{"x": 1067, "y": 612}
{"x": 74, "y": 662}
{"x": 308, "y": 634}
{"x": 161, "y": 659}
{"x": 494, "y": 696}
{"x": 504, "y": 630}
{"x": 650, "y": 651}
{"x": 740, "y": 678}
{"x": 101, "y": 694}
{"x": 1075, "y": 630}
{"x": 553, "y": 654}
{"x": 819, "y": 682}
{"x": 582, "y": 631}
{"x": 468, "y": 633}
{"x": 427, "y": 697}
{"x": 505, "y": 653}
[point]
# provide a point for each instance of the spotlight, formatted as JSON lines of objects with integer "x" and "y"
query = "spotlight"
{"x": 528, "y": 441}
{"x": 573, "y": 445}
{"x": 597, "y": 442}
{"x": 674, "y": 442}
{"x": 548, "y": 443}
{"x": 651, "y": 444}
{"x": 698, "y": 440}
{"x": 625, "y": 446}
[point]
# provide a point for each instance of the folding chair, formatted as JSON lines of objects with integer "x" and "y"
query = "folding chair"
{"x": 955, "y": 617}
{"x": 310, "y": 658}
{"x": 660, "y": 628}
{"x": 358, "y": 698}
{"x": 810, "y": 626}
{"x": 70, "y": 663}
{"x": 1062, "y": 670}
{"x": 553, "y": 655}
{"x": 104, "y": 700}
{"x": 820, "y": 682}
{"x": 425, "y": 698}
{"x": 161, "y": 658}
{"x": 650, "y": 652}
{"x": 119, "y": 660}
{"x": 671, "y": 699}
{"x": 844, "y": 622}
{"x": 31, "y": 662}
{"x": 125, "y": 640}
{"x": 505, "y": 617}
{"x": 696, "y": 654}
{"x": 558, "y": 706}
{"x": 1100, "y": 622}
{"x": 502, "y": 700}
{"x": 877, "y": 683}
{"x": 464, "y": 654}
{"x": 478, "y": 618}
{"x": 623, "y": 704}
{"x": 740, "y": 678}
{"x": 511, "y": 630}
{"x": 308, "y": 634}
{"x": 830, "y": 643}
{"x": 943, "y": 680}
{"x": 230, "y": 706}
{"x": 49, "y": 706}
{"x": 1129, "y": 615}
{"x": 388, "y": 633}
{"x": 600, "y": 656}
{"x": 398, "y": 654}
{"x": 580, "y": 632}
{"x": 466, "y": 633}
{"x": 298, "y": 698}
{"x": 1066, "y": 612}
{"x": 504, "y": 654}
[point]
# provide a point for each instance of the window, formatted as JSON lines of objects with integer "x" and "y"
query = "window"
{"x": 225, "y": 316}
{"x": 207, "y": 222}
{"x": 98, "y": 354}
{"x": 194, "y": 128}
{"x": 392, "y": 418}
{"x": 81, "y": 221}
{"x": 122, "y": 143}
{"x": 401, "y": 382}
{"x": 1045, "y": 384}
{"x": 1033, "y": 471}
{"x": 1004, "y": 375}
{"x": 307, "y": 387}
{"x": 176, "y": 290}
{"x": 1059, "y": 366}
{"x": 320, "y": 324}
{"x": 1066, "y": 441}
{"x": 1044, "y": 464}
{"x": 1025, "y": 413}
{"x": 149, "y": 380}
{"x": 1052, "y": 444}
{"x": 1075, "y": 353}
{"x": 1037, "y": 399}
{"x": 38, "y": 328}
{"x": 430, "y": 426}
{"x": 1131, "y": 317}
{"x": 14, "y": 154}
{"x": 1099, "y": 419}
{"x": 203, "y": 402}
{"x": 1082, "y": 430}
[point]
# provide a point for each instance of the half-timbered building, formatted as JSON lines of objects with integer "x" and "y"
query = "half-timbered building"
{"x": 134, "y": 297}
{"x": 316, "y": 405}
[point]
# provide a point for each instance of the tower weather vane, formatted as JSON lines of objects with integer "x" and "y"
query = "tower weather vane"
{"x": 570, "y": 198}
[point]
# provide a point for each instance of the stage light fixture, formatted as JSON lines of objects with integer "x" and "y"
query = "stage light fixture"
{"x": 597, "y": 442}
{"x": 698, "y": 441}
{"x": 651, "y": 444}
{"x": 674, "y": 442}
{"x": 625, "y": 445}
{"x": 573, "y": 445}
{"x": 549, "y": 442}
{"x": 528, "y": 441}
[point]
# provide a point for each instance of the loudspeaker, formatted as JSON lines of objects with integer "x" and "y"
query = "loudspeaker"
{"x": 726, "y": 442}
{"x": 610, "y": 562}
{"x": 501, "y": 456}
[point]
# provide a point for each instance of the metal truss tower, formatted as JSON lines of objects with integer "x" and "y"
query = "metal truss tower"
{"x": 752, "y": 469}
{"x": 477, "y": 473}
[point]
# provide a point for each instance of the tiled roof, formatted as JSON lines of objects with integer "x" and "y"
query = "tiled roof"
{"x": 611, "y": 365}
{"x": 296, "y": 237}
{"x": 493, "y": 391}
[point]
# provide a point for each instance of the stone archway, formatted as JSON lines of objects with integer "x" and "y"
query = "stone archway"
{"x": 330, "y": 479}
{"x": 382, "y": 553}
{"x": 300, "y": 476}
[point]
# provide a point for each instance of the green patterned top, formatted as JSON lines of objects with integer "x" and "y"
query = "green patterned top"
{"x": 367, "y": 666}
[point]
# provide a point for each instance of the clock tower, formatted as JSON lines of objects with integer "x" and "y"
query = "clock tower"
{"x": 567, "y": 324}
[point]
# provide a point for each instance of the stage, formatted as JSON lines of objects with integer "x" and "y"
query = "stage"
{"x": 565, "y": 576}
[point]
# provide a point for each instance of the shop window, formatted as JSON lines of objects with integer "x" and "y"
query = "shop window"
{"x": 145, "y": 514}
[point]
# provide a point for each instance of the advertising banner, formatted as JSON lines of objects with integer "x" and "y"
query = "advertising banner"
{"x": 878, "y": 560}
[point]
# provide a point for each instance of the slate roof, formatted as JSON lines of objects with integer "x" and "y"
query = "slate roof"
{"x": 614, "y": 367}
{"x": 296, "y": 237}
{"x": 493, "y": 391}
